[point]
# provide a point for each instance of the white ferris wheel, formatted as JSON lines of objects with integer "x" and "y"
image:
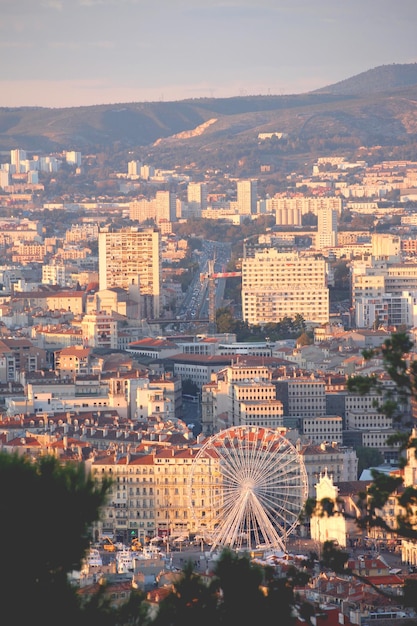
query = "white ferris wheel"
{"x": 247, "y": 488}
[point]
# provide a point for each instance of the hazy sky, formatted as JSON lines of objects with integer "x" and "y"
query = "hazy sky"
{"x": 59, "y": 53}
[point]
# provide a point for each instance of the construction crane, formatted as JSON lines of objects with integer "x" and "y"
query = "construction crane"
{"x": 212, "y": 276}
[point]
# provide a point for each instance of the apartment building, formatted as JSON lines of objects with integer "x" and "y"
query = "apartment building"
{"x": 276, "y": 285}
{"x": 326, "y": 228}
{"x": 18, "y": 356}
{"x": 49, "y": 300}
{"x": 151, "y": 494}
{"x": 384, "y": 289}
{"x": 73, "y": 361}
{"x": 341, "y": 463}
{"x": 132, "y": 256}
{"x": 54, "y": 274}
{"x": 240, "y": 395}
{"x": 247, "y": 196}
{"x": 161, "y": 208}
{"x": 99, "y": 330}
{"x": 308, "y": 204}
{"x": 196, "y": 199}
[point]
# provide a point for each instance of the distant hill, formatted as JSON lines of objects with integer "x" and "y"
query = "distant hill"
{"x": 377, "y": 107}
{"x": 380, "y": 79}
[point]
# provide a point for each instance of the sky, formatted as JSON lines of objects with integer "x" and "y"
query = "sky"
{"x": 65, "y": 53}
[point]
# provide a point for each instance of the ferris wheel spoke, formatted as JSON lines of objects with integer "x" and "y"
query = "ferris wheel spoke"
{"x": 253, "y": 490}
{"x": 280, "y": 475}
{"x": 276, "y": 465}
{"x": 232, "y": 458}
{"x": 274, "y": 509}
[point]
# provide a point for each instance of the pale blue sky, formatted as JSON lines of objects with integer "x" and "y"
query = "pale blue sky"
{"x": 61, "y": 53}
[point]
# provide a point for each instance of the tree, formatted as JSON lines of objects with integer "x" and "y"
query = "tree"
{"x": 304, "y": 340}
{"x": 396, "y": 397}
{"x": 368, "y": 457}
{"x": 46, "y": 513}
{"x": 191, "y": 602}
{"x": 240, "y": 592}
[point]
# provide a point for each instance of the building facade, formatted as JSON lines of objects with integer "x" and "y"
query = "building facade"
{"x": 276, "y": 285}
{"x": 132, "y": 256}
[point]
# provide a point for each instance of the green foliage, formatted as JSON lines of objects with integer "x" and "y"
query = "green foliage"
{"x": 410, "y": 593}
{"x": 46, "y": 513}
{"x": 395, "y": 401}
{"x": 334, "y": 558}
{"x": 189, "y": 387}
{"x": 286, "y": 328}
{"x": 368, "y": 457}
{"x": 240, "y": 592}
{"x": 191, "y": 602}
{"x": 394, "y": 354}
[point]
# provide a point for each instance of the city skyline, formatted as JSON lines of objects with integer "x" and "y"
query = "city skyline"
{"x": 84, "y": 52}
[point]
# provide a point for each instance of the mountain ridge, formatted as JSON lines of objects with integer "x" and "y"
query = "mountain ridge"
{"x": 375, "y": 107}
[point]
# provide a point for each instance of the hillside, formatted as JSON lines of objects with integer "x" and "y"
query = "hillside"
{"x": 377, "y": 107}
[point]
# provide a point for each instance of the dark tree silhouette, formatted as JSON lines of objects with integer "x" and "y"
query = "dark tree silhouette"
{"x": 46, "y": 513}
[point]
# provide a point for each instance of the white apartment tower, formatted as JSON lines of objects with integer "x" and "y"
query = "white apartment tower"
{"x": 278, "y": 284}
{"x": 247, "y": 196}
{"x": 326, "y": 228}
{"x": 73, "y": 158}
{"x": 132, "y": 256}
{"x": 16, "y": 157}
{"x": 133, "y": 169}
{"x": 196, "y": 198}
{"x": 166, "y": 206}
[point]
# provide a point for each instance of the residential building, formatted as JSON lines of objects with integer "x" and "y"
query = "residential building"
{"x": 20, "y": 355}
{"x": 151, "y": 494}
{"x": 196, "y": 199}
{"x": 54, "y": 274}
{"x": 247, "y": 196}
{"x": 240, "y": 394}
{"x": 276, "y": 285}
{"x": 73, "y": 361}
{"x": 132, "y": 256}
{"x": 326, "y": 228}
{"x": 99, "y": 330}
{"x": 341, "y": 463}
{"x": 73, "y": 158}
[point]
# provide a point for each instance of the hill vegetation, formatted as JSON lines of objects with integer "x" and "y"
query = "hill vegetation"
{"x": 375, "y": 108}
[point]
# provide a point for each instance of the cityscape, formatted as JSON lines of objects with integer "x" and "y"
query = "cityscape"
{"x": 194, "y": 340}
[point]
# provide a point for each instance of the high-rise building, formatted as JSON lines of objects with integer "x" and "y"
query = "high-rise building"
{"x": 73, "y": 158}
{"x": 196, "y": 198}
{"x": 276, "y": 285}
{"x": 166, "y": 206}
{"x": 132, "y": 256}
{"x": 326, "y": 228}
{"x": 16, "y": 156}
{"x": 247, "y": 196}
{"x": 133, "y": 169}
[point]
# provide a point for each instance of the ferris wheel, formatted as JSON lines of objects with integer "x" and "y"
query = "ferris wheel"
{"x": 247, "y": 487}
